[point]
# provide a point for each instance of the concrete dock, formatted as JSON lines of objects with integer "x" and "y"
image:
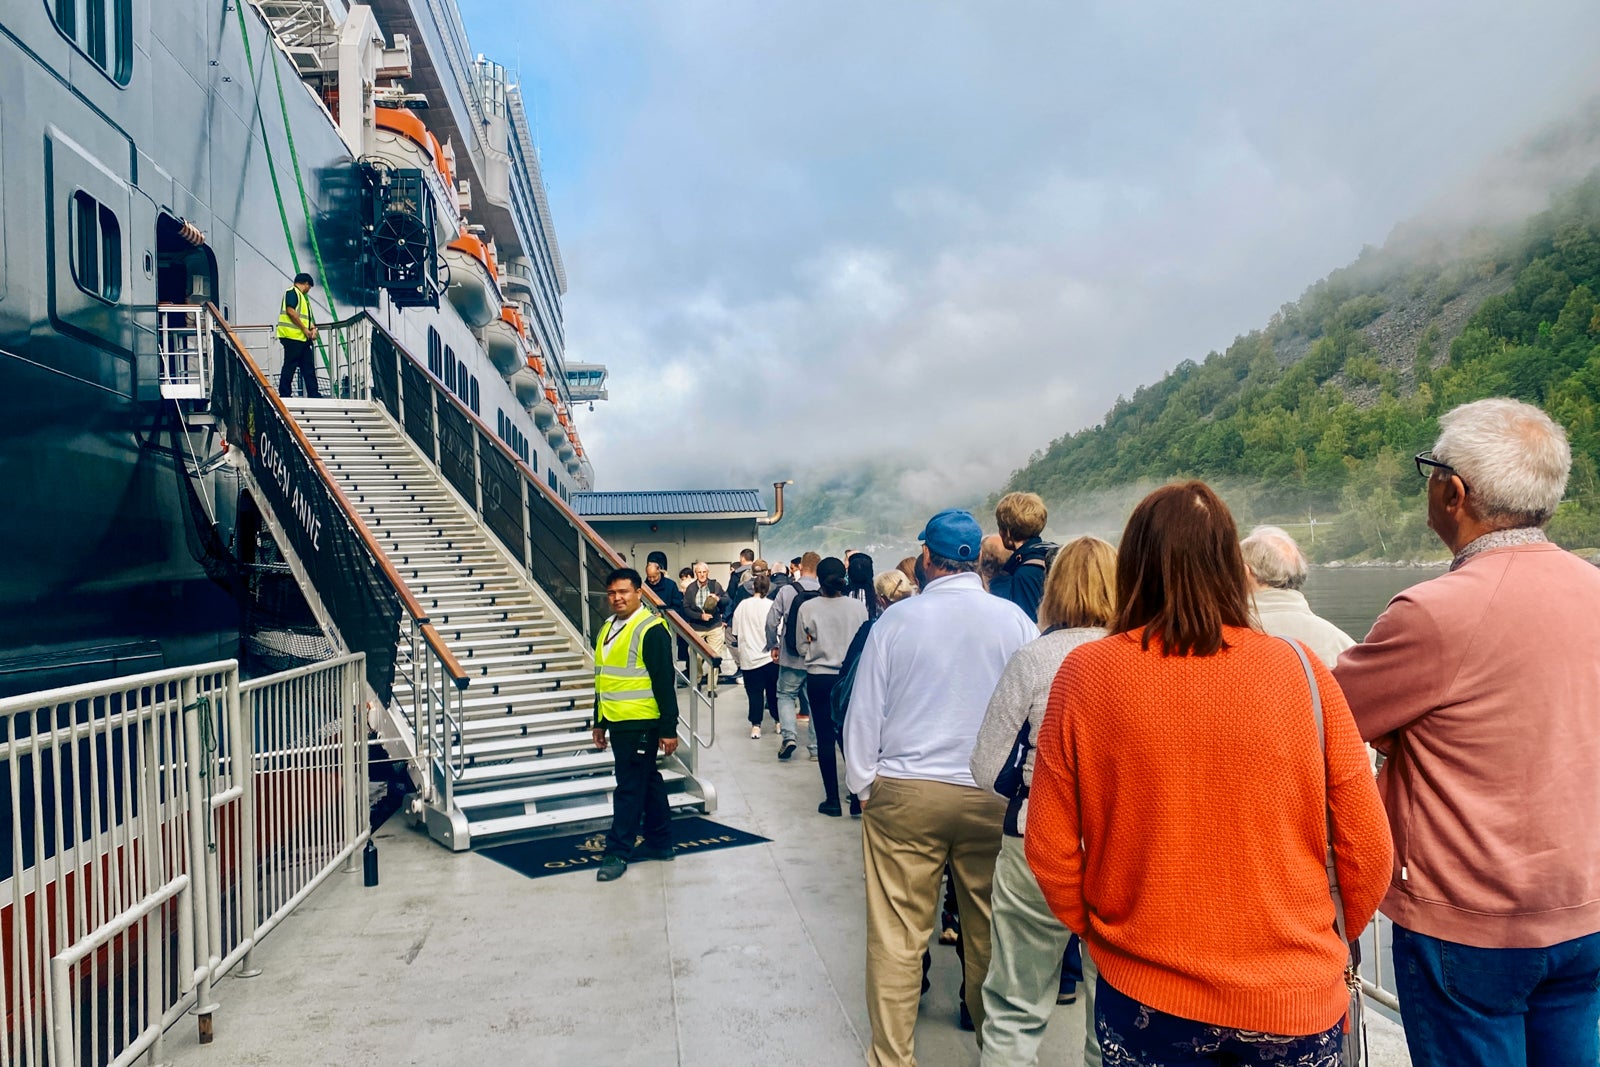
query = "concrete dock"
{"x": 749, "y": 955}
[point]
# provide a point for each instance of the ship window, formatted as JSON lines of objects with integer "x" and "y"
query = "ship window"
{"x": 449, "y": 368}
{"x": 96, "y": 248}
{"x": 550, "y": 476}
{"x": 101, "y": 30}
{"x": 435, "y": 357}
{"x": 474, "y": 399}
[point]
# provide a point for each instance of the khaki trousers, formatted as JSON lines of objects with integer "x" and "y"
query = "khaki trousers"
{"x": 1019, "y": 993}
{"x": 910, "y": 828}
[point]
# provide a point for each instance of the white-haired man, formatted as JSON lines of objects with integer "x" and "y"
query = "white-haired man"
{"x": 1277, "y": 571}
{"x": 1483, "y": 687}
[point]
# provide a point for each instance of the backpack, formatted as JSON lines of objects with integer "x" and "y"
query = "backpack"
{"x": 791, "y": 620}
{"x": 1050, "y": 553}
{"x": 846, "y": 684}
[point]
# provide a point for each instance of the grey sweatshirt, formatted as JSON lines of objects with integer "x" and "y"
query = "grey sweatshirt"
{"x": 827, "y": 626}
{"x": 1020, "y": 696}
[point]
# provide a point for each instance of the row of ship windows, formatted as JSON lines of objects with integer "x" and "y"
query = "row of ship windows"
{"x": 444, "y": 365}
{"x": 101, "y": 29}
{"x": 516, "y": 440}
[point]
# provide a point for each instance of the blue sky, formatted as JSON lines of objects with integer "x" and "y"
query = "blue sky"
{"x": 945, "y": 233}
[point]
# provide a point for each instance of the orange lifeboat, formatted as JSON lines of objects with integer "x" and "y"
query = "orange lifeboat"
{"x": 556, "y": 434}
{"x": 505, "y": 339}
{"x": 474, "y": 284}
{"x": 543, "y": 410}
{"x": 528, "y": 386}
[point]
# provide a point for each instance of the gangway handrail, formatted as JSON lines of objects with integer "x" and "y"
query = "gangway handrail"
{"x": 408, "y": 600}
{"x": 587, "y": 531}
{"x": 700, "y": 654}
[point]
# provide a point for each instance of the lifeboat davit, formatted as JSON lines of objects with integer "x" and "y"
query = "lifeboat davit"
{"x": 503, "y": 340}
{"x": 400, "y": 139}
{"x": 474, "y": 282}
{"x": 529, "y": 388}
{"x": 543, "y": 409}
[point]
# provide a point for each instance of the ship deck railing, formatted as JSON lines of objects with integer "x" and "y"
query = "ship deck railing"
{"x": 160, "y": 825}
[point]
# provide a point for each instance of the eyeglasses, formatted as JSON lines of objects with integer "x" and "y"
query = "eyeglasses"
{"x": 1426, "y": 465}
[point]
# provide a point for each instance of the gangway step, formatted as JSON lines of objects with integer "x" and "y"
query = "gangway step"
{"x": 575, "y": 764}
{"x": 546, "y": 791}
{"x": 680, "y": 803}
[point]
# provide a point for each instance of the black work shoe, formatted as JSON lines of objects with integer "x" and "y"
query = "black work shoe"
{"x": 611, "y": 868}
{"x": 965, "y": 1021}
{"x": 787, "y": 750}
{"x": 830, "y": 807}
{"x": 855, "y": 806}
{"x": 645, "y": 852}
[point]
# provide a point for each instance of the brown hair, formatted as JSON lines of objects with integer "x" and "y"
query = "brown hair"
{"x": 1021, "y": 515}
{"x": 1180, "y": 577}
{"x": 761, "y": 585}
{"x": 809, "y": 561}
{"x": 908, "y": 567}
{"x": 1081, "y": 588}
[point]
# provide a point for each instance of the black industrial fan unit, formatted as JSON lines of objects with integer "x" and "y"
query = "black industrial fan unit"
{"x": 400, "y": 251}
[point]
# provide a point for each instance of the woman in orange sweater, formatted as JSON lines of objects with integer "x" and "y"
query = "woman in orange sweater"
{"x": 1178, "y": 813}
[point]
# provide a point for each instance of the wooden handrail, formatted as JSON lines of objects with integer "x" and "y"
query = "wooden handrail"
{"x": 408, "y": 600}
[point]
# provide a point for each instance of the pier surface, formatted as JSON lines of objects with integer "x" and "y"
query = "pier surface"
{"x": 739, "y": 956}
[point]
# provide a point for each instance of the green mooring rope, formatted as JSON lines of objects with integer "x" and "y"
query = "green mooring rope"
{"x": 277, "y": 191}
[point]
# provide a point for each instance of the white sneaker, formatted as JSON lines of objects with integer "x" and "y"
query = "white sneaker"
{"x": 755, "y": 733}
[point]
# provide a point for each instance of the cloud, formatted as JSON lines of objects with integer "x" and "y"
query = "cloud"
{"x": 810, "y": 235}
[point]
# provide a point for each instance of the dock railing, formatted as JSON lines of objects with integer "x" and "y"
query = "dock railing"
{"x": 159, "y": 826}
{"x": 560, "y": 552}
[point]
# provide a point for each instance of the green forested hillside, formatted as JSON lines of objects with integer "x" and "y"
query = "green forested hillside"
{"x": 1320, "y": 412}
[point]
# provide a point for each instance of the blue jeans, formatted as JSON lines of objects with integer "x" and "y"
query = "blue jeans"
{"x": 1498, "y": 1007}
{"x": 791, "y": 699}
{"x": 1136, "y": 1035}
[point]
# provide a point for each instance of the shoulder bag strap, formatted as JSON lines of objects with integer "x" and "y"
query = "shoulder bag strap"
{"x": 1322, "y": 736}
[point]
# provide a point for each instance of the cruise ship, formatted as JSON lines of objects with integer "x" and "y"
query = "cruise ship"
{"x": 189, "y": 153}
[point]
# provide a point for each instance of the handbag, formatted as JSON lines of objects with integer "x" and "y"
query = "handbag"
{"x": 1353, "y": 1048}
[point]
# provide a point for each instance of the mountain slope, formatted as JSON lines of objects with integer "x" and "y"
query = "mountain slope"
{"x": 1321, "y": 411}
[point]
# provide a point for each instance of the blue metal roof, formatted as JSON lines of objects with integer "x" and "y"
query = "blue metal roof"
{"x": 669, "y": 502}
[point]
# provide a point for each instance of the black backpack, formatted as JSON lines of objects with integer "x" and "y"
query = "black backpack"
{"x": 791, "y": 621}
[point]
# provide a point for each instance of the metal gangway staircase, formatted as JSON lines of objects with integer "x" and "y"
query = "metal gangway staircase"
{"x": 420, "y": 539}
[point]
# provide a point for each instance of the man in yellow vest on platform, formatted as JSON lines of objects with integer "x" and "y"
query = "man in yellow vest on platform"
{"x": 296, "y": 331}
{"x": 636, "y": 702}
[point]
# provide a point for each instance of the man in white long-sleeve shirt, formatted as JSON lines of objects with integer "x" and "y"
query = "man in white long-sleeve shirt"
{"x": 921, "y": 689}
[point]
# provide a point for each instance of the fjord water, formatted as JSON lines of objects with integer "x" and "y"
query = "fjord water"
{"x": 1352, "y": 598}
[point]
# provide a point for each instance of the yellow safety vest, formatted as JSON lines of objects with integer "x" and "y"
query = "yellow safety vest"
{"x": 621, "y": 682}
{"x": 286, "y": 326}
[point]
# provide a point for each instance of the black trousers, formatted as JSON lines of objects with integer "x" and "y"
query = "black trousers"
{"x": 761, "y": 684}
{"x": 819, "y": 688}
{"x": 639, "y": 804}
{"x": 297, "y": 355}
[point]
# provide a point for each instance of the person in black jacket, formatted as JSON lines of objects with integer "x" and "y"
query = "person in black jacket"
{"x": 1021, "y": 518}
{"x": 660, "y": 583}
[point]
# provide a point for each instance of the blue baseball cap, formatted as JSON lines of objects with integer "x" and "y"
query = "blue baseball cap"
{"x": 953, "y": 534}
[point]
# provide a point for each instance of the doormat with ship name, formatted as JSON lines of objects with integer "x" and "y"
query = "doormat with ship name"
{"x": 558, "y": 855}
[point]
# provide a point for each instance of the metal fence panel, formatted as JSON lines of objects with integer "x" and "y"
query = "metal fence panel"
{"x": 135, "y": 846}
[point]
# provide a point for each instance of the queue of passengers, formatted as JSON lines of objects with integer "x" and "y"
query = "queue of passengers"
{"x": 1161, "y": 749}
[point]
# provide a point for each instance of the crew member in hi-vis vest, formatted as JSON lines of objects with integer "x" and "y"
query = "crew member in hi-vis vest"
{"x": 636, "y": 704}
{"x": 296, "y": 331}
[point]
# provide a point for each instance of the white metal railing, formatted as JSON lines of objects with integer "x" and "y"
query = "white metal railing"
{"x": 340, "y": 353}
{"x": 1377, "y": 978}
{"x": 183, "y": 339}
{"x": 159, "y": 826}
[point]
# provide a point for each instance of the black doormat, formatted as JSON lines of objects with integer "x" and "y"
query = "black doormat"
{"x": 558, "y": 855}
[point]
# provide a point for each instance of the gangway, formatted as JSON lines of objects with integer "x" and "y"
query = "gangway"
{"x": 420, "y": 539}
